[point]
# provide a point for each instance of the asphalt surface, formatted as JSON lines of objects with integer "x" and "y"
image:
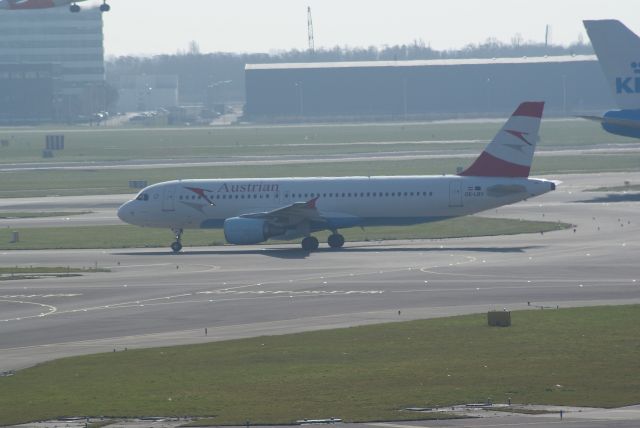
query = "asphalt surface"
{"x": 154, "y": 298}
{"x": 629, "y": 148}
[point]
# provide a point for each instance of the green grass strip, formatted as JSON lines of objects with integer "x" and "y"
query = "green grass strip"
{"x": 127, "y": 236}
{"x": 576, "y": 357}
{"x": 10, "y": 215}
{"x": 106, "y": 181}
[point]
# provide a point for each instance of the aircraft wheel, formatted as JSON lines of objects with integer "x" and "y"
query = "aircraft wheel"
{"x": 335, "y": 240}
{"x": 310, "y": 243}
{"x": 74, "y": 8}
{"x": 176, "y": 247}
{"x": 105, "y": 7}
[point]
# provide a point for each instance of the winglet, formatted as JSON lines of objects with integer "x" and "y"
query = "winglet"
{"x": 510, "y": 153}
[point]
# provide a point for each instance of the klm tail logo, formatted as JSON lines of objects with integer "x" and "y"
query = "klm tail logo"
{"x": 629, "y": 85}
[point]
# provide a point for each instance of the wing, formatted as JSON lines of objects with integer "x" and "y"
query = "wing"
{"x": 291, "y": 215}
{"x": 614, "y": 121}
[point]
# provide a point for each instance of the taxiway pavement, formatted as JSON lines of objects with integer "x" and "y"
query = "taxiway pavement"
{"x": 154, "y": 298}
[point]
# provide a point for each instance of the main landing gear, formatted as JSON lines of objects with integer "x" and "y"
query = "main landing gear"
{"x": 104, "y": 7}
{"x": 177, "y": 245}
{"x": 335, "y": 240}
{"x": 310, "y": 243}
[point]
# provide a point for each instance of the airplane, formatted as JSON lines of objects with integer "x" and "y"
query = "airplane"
{"x": 618, "y": 51}
{"x": 253, "y": 210}
{"x": 46, "y": 4}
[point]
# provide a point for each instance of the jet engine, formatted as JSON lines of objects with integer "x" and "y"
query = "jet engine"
{"x": 247, "y": 231}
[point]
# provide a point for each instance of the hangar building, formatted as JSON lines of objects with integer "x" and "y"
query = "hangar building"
{"x": 430, "y": 89}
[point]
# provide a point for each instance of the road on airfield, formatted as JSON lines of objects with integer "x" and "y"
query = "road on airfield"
{"x": 154, "y": 298}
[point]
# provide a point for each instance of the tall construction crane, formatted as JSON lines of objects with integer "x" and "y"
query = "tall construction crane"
{"x": 312, "y": 47}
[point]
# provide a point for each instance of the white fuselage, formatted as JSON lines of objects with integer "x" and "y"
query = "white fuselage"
{"x": 342, "y": 202}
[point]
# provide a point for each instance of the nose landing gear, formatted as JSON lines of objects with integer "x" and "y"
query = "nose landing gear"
{"x": 177, "y": 245}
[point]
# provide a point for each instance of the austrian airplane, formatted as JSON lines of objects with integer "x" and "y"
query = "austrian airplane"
{"x": 618, "y": 51}
{"x": 46, "y": 4}
{"x": 253, "y": 210}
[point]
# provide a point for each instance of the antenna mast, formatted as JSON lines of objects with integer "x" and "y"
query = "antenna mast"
{"x": 312, "y": 48}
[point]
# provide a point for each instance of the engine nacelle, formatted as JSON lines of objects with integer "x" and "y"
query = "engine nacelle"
{"x": 247, "y": 231}
{"x": 622, "y": 122}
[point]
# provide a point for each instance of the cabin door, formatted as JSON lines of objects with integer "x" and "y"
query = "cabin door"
{"x": 168, "y": 200}
{"x": 455, "y": 193}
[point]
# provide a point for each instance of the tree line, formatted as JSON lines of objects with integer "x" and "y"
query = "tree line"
{"x": 197, "y": 71}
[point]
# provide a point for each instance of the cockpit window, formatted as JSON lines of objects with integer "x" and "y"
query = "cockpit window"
{"x": 142, "y": 197}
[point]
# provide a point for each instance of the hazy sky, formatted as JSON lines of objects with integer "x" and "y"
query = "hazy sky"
{"x": 164, "y": 26}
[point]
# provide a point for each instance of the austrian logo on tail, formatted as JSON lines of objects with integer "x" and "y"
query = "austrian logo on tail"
{"x": 520, "y": 135}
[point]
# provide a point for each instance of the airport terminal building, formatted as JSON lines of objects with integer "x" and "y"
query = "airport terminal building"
{"x": 430, "y": 89}
{"x": 51, "y": 65}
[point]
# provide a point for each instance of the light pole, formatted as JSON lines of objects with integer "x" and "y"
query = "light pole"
{"x": 301, "y": 97}
{"x": 404, "y": 96}
{"x": 215, "y": 86}
{"x": 564, "y": 94}
{"x": 488, "y": 94}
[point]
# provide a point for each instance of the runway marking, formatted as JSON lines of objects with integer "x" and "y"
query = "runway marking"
{"x": 385, "y": 425}
{"x": 52, "y": 310}
{"x": 294, "y": 293}
{"x": 44, "y": 296}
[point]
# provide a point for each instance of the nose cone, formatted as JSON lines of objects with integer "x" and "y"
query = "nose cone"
{"x": 126, "y": 213}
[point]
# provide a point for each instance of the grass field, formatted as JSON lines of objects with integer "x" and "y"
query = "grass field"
{"x": 111, "y": 144}
{"x": 178, "y": 145}
{"x": 100, "y": 181}
{"x": 579, "y": 357}
{"x": 127, "y": 236}
{"x": 10, "y": 215}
